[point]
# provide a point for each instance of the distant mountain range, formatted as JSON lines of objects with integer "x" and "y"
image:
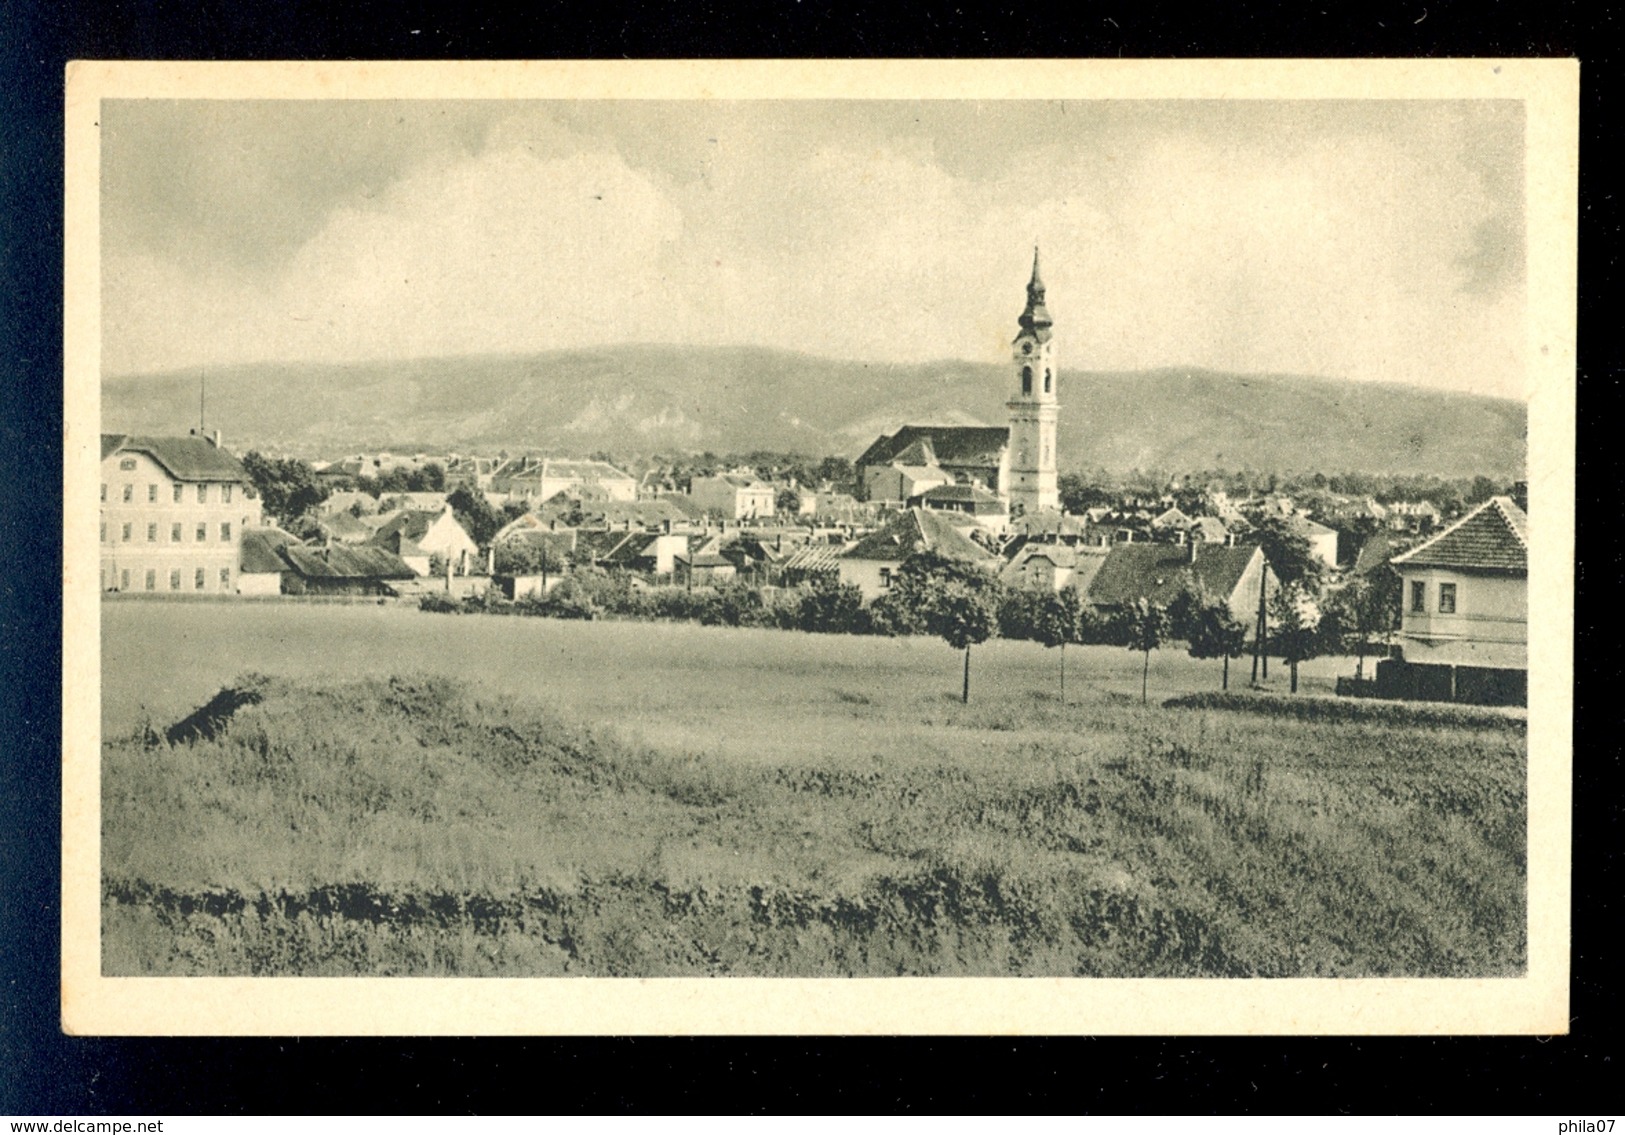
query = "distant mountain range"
{"x": 640, "y": 400}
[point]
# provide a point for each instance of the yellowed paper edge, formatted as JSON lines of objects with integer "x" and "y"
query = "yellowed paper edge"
{"x": 1536, "y": 1003}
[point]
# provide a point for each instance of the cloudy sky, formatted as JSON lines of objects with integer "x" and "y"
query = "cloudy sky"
{"x": 1378, "y": 241}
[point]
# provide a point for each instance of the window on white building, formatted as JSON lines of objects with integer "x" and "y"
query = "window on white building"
{"x": 1447, "y": 598}
{"x": 1419, "y": 597}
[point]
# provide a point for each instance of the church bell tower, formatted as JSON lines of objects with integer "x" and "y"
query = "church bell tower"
{"x": 1033, "y": 408}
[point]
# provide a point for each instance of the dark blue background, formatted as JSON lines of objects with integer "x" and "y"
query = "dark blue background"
{"x": 43, "y": 1072}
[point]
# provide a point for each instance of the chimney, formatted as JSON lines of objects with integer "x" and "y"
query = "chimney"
{"x": 491, "y": 560}
{"x": 626, "y": 524}
{"x": 778, "y": 542}
{"x": 665, "y": 526}
{"x": 1193, "y": 546}
{"x": 553, "y": 525}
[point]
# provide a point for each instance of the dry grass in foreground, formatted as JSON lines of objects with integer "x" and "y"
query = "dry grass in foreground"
{"x": 410, "y": 826}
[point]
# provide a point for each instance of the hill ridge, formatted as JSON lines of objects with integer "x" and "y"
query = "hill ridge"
{"x": 644, "y": 398}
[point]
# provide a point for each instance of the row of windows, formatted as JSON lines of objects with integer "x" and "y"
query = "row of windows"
{"x": 177, "y": 493}
{"x": 148, "y": 580}
{"x": 1419, "y": 598}
{"x": 200, "y": 532}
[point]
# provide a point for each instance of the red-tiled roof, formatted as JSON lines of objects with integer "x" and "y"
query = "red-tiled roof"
{"x": 1493, "y": 537}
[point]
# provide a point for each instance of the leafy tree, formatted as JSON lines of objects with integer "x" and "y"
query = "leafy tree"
{"x": 829, "y": 606}
{"x": 838, "y": 472}
{"x": 1078, "y": 494}
{"x": 1144, "y": 627}
{"x": 475, "y": 514}
{"x": 514, "y": 509}
{"x": 1289, "y": 554}
{"x": 1211, "y": 631}
{"x": 788, "y": 502}
{"x": 1060, "y": 620}
{"x": 956, "y": 601}
{"x": 522, "y": 557}
{"x": 1365, "y": 608}
{"x": 1297, "y": 636}
{"x": 288, "y": 487}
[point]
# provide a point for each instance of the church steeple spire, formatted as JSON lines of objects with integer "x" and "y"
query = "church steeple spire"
{"x": 1036, "y": 317}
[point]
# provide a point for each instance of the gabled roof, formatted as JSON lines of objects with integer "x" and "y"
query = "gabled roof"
{"x": 918, "y": 530}
{"x": 1493, "y": 537}
{"x": 260, "y": 550}
{"x": 1305, "y": 527}
{"x": 979, "y": 499}
{"x": 112, "y": 443}
{"x": 183, "y": 458}
{"x": 1159, "y": 572}
{"x": 342, "y": 562}
{"x": 413, "y": 524}
{"x": 1377, "y": 551}
{"x": 342, "y": 526}
{"x": 1173, "y": 518}
{"x": 979, "y": 446}
{"x": 813, "y": 559}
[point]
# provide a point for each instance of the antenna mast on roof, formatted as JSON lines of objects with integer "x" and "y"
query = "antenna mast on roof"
{"x": 202, "y": 402}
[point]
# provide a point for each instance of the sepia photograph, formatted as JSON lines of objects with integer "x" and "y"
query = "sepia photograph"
{"x": 1061, "y": 524}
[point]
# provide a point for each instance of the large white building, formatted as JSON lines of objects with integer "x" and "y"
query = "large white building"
{"x": 173, "y": 510}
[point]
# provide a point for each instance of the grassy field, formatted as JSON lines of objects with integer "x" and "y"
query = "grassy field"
{"x": 417, "y": 794}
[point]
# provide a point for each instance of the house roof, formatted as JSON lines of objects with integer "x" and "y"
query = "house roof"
{"x": 563, "y": 541}
{"x": 342, "y": 526}
{"x": 1303, "y": 526}
{"x": 420, "y": 501}
{"x": 260, "y": 550}
{"x": 413, "y": 524}
{"x": 343, "y": 562}
{"x": 1382, "y": 546}
{"x": 704, "y": 559}
{"x": 1173, "y": 518}
{"x": 345, "y": 499}
{"x": 981, "y": 501}
{"x": 1159, "y": 572}
{"x": 1048, "y": 521}
{"x": 977, "y": 446}
{"x": 1493, "y": 537}
{"x": 813, "y": 559}
{"x": 183, "y": 458}
{"x": 917, "y": 530}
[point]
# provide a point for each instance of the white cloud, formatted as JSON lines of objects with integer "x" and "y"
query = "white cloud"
{"x": 1340, "y": 257}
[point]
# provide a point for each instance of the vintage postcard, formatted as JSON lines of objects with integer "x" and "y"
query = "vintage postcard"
{"x": 1025, "y": 547}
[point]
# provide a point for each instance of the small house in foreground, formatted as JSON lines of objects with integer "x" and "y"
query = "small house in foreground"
{"x": 1464, "y": 629}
